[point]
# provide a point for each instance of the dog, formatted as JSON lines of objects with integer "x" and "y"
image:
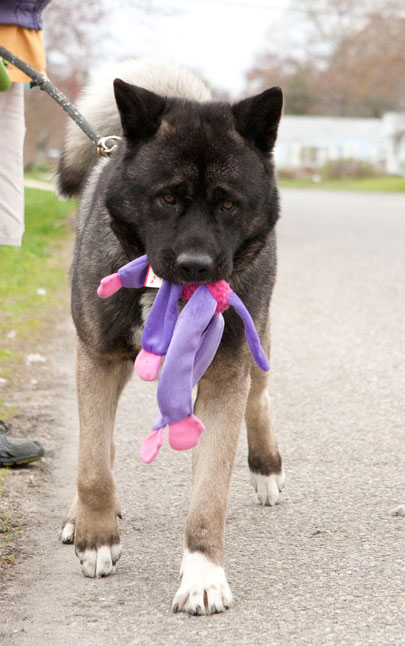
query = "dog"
{"x": 192, "y": 185}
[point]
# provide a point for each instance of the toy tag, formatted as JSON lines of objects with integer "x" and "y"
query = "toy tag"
{"x": 152, "y": 280}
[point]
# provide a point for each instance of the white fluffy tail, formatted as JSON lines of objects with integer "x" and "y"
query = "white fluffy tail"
{"x": 97, "y": 104}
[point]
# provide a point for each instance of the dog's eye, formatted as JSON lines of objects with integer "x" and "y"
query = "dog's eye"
{"x": 227, "y": 205}
{"x": 169, "y": 199}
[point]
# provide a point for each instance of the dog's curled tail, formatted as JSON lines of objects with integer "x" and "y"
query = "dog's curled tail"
{"x": 97, "y": 105}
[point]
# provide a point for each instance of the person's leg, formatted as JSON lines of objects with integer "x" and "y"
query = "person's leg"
{"x": 13, "y": 451}
{"x": 12, "y": 133}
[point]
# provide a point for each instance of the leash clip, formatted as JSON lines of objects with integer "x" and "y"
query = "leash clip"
{"x": 107, "y": 145}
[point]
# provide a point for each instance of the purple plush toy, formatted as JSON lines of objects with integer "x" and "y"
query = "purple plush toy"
{"x": 189, "y": 341}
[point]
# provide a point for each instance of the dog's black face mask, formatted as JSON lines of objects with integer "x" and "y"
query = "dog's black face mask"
{"x": 192, "y": 184}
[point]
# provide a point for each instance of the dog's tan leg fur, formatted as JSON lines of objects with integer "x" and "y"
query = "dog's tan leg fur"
{"x": 220, "y": 404}
{"x": 264, "y": 458}
{"x": 95, "y": 509}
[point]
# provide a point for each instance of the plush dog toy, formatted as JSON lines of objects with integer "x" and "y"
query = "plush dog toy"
{"x": 189, "y": 342}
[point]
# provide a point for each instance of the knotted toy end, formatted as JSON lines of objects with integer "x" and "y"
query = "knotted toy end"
{"x": 185, "y": 434}
{"x": 147, "y": 365}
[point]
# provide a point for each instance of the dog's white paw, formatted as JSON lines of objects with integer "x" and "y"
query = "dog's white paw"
{"x": 204, "y": 589}
{"x": 268, "y": 488}
{"x": 99, "y": 562}
{"x": 67, "y": 533}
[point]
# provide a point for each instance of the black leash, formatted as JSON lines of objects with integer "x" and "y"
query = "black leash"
{"x": 105, "y": 145}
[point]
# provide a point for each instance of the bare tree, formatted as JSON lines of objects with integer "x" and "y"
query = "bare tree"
{"x": 365, "y": 75}
{"x": 74, "y": 33}
{"x": 78, "y": 33}
{"x": 296, "y": 77}
{"x": 351, "y": 63}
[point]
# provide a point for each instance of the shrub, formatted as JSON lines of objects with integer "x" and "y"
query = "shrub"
{"x": 348, "y": 169}
{"x": 294, "y": 173}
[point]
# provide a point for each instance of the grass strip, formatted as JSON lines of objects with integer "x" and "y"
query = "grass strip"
{"x": 392, "y": 184}
{"x": 33, "y": 281}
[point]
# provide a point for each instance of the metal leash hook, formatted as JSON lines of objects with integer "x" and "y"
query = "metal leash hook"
{"x": 107, "y": 145}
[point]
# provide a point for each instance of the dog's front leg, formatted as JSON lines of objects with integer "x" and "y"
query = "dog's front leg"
{"x": 99, "y": 384}
{"x": 220, "y": 404}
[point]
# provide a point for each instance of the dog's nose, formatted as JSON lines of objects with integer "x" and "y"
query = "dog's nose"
{"x": 194, "y": 265}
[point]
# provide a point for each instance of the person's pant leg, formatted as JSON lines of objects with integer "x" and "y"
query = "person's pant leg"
{"x": 12, "y": 133}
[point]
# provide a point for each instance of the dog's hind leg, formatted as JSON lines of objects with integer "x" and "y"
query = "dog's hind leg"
{"x": 264, "y": 459}
{"x": 93, "y": 515}
{"x": 220, "y": 404}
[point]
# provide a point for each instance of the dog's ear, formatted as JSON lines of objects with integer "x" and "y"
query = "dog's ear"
{"x": 140, "y": 110}
{"x": 257, "y": 118}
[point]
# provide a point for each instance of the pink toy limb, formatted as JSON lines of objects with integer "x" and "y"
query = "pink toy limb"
{"x": 185, "y": 434}
{"x": 147, "y": 365}
{"x": 109, "y": 285}
{"x": 151, "y": 445}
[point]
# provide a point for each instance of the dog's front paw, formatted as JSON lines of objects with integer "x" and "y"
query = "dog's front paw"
{"x": 268, "y": 488}
{"x": 97, "y": 542}
{"x": 204, "y": 589}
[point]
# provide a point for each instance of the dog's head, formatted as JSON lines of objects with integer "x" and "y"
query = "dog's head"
{"x": 193, "y": 184}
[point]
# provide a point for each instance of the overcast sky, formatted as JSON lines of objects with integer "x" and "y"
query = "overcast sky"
{"x": 218, "y": 37}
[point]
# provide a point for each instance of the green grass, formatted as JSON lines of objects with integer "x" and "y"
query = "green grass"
{"x": 42, "y": 173}
{"x": 3, "y": 474}
{"x": 394, "y": 184}
{"x": 40, "y": 263}
{"x": 35, "y": 264}
{"x": 7, "y": 411}
{"x": 7, "y": 525}
{"x": 9, "y": 528}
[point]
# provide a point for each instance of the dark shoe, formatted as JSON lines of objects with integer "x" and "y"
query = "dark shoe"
{"x": 15, "y": 450}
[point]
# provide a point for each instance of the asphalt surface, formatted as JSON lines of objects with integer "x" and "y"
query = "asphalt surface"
{"x": 326, "y": 566}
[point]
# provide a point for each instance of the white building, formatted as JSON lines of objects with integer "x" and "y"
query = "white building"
{"x": 309, "y": 142}
{"x": 393, "y": 128}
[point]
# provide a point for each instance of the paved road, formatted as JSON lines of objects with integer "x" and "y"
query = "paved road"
{"x": 325, "y": 567}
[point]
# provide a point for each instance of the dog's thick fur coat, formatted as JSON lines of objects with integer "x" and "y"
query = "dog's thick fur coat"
{"x": 190, "y": 176}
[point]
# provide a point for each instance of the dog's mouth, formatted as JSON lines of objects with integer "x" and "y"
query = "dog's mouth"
{"x": 192, "y": 266}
